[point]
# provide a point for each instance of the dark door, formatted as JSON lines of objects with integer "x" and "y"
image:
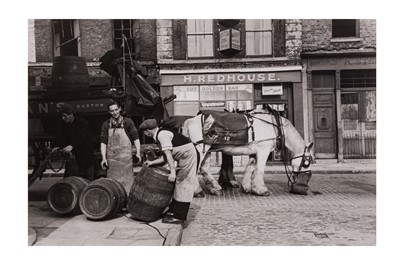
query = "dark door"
{"x": 324, "y": 123}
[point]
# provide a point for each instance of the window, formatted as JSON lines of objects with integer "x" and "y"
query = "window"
{"x": 358, "y": 78}
{"x": 200, "y": 37}
{"x": 127, "y": 28}
{"x": 191, "y": 99}
{"x": 258, "y": 37}
{"x": 66, "y": 37}
{"x": 323, "y": 80}
{"x": 345, "y": 28}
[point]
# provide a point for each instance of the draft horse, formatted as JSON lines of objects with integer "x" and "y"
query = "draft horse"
{"x": 266, "y": 130}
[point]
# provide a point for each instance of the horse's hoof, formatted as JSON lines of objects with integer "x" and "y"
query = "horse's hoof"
{"x": 200, "y": 195}
{"x": 234, "y": 184}
{"x": 216, "y": 192}
{"x": 265, "y": 193}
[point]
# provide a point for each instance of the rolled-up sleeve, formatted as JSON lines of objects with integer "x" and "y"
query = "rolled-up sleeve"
{"x": 131, "y": 130}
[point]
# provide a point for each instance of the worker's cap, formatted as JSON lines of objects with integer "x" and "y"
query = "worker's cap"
{"x": 148, "y": 124}
{"x": 64, "y": 108}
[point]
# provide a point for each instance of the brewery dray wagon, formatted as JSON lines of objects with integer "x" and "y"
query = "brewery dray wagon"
{"x": 69, "y": 81}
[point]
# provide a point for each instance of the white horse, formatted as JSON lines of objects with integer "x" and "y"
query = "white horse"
{"x": 265, "y": 134}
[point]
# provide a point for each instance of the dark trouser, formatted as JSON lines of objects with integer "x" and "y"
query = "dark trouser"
{"x": 179, "y": 209}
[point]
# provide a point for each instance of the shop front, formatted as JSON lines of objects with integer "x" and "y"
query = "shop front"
{"x": 343, "y": 92}
{"x": 234, "y": 90}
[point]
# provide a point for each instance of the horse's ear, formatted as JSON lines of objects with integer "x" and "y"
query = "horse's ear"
{"x": 309, "y": 146}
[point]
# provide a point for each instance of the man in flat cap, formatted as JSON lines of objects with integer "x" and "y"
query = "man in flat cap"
{"x": 74, "y": 136}
{"x": 175, "y": 147}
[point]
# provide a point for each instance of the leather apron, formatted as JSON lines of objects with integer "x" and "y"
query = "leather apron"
{"x": 186, "y": 156}
{"x": 119, "y": 157}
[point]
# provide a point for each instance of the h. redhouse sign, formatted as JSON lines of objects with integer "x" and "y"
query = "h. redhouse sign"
{"x": 230, "y": 78}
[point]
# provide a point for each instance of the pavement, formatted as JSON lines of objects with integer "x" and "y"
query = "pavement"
{"x": 45, "y": 228}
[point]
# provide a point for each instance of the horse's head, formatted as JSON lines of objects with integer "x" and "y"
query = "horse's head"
{"x": 301, "y": 173}
{"x": 302, "y": 162}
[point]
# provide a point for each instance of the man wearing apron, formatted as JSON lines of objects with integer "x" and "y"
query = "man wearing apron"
{"x": 175, "y": 147}
{"x": 117, "y": 135}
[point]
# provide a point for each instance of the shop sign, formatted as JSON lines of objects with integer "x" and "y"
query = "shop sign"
{"x": 272, "y": 90}
{"x": 239, "y": 87}
{"x": 230, "y": 78}
{"x": 212, "y": 104}
{"x": 212, "y": 88}
{"x": 229, "y": 39}
{"x": 186, "y": 93}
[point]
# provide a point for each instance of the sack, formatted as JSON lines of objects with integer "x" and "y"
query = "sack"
{"x": 300, "y": 183}
{"x": 225, "y": 128}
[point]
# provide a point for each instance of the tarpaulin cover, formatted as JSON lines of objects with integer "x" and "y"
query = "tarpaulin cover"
{"x": 141, "y": 99}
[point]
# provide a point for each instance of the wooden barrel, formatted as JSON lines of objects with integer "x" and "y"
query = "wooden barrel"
{"x": 102, "y": 199}
{"x": 63, "y": 196}
{"x": 69, "y": 73}
{"x": 150, "y": 194}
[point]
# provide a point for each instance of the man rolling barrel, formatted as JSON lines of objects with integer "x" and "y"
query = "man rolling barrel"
{"x": 175, "y": 147}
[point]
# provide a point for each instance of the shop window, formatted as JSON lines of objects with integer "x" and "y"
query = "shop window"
{"x": 125, "y": 29}
{"x": 66, "y": 37}
{"x": 349, "y": 102}
{"x": 258, "y": 37}
{"x": 358, "y": 78}
{"x": 200, "y": 37}
{"x": 232, "y": 97}
{"x": 345, "y": 28}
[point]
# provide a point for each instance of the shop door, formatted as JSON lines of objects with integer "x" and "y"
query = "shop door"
{"x": 324, "y": 123}
{"x": 358, "y": 124}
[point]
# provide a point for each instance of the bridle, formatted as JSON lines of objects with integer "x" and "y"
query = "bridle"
{"x": 306, "y": 160}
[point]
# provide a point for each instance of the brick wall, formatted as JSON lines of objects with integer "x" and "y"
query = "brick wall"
{"x": 43, "y": 40}
{"x": 31, "y": 41}
{"x": 317, "y": 36}
{"x": 293, "y": 30}
{"x": 96, "y": 38}
{"x": 164, "y": 39}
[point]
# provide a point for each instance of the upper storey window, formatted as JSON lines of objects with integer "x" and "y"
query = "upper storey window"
{"x": 342, "y": 28}
{"x": 66, "y": 37}
{"x": 200, "y": 38}
{"x": 125, "y": 31}
{"x": 258, "y": 37}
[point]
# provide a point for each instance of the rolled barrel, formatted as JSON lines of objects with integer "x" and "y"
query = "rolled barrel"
{"x": 102, "y": 199}
{"x": 63, "y": 196}
{"x": 150, "y": 194}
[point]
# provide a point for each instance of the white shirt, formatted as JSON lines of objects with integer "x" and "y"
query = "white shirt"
{"x": 165, "y": 138}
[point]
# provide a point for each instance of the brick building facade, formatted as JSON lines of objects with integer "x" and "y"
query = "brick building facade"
{"x": 234, "y": 64}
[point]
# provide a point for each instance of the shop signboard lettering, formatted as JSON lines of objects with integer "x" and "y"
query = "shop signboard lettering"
{"x": 230, "y": 78}
{"x": 186, "y": 93}
{"x": 272, "y": 90}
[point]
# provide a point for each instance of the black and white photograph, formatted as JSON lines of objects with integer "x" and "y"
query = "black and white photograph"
{"x": 166, "y": 136}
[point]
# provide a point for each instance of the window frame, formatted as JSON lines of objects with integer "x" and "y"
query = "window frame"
{"x": 130, "y": 39}
{"x": 75, "y": 30}
{"x": 356, "y": 29}
{"x": 204, "y": 33}
{"x": 270, "y": 31}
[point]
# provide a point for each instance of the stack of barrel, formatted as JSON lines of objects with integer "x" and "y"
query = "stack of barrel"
{"x": 98, "y": 200}
{"x": 104, "y": 198}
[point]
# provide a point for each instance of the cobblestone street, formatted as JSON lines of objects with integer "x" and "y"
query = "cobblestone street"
{"x": 339, "y": 210}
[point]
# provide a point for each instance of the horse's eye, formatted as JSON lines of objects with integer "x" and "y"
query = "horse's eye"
{"x": 307, "y": 163}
